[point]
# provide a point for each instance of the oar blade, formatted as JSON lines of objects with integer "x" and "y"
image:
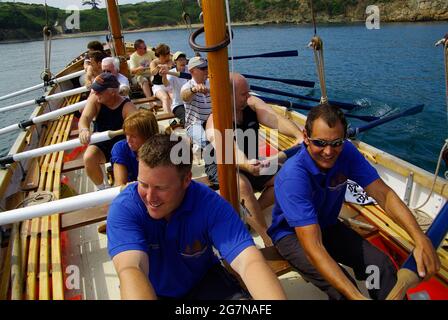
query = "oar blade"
{"x": 294, "y": 82}
{"x": 352, "y": 132}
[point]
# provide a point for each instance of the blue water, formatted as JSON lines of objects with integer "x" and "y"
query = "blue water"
{"x": 383, "y": 71}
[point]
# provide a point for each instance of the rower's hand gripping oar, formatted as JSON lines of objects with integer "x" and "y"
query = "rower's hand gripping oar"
{"x": 95, "y": 138}
{"x": 407, "y": 276}
{"x": 352, "y": 132}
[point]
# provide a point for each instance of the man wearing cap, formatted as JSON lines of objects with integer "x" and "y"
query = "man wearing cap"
{"x": 139, "y": 63}
{"x": 109, "y": 110}
{"x": 176, "y": 83}
{"x": 196, "y": 96}
{"x": 112, "y": 65}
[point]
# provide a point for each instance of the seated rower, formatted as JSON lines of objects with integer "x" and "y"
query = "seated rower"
{"x": 195, "y": 94}
{"x": 251, "y": 111}
{"x": 109, "y": 109}
{"x": 159, "y": 68}
{"x": 94, "y": 68}
{"x": 309, "y": 192}
{"x": 162, "y": 230}
{"x": 112, "y": 65}
{"x": 138, "y": 128}
{"x": 139, "y": 66}
{"x": 176, "y": 83}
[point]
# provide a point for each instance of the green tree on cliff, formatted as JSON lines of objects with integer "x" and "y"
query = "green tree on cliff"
{"x": 94, "y": 4}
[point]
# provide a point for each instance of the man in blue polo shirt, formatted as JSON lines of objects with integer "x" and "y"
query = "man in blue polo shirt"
{"x": 309, "y": 192}
{"x": 161, "y": 231}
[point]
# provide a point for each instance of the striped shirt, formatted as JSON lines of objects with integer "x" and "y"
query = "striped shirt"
{"x": 200, "y": 106}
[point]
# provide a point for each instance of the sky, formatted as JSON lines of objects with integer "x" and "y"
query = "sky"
{"x": 62, "y": 4}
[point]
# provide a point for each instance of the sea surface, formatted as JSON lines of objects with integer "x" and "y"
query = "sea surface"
{"x": 383, "y": 71}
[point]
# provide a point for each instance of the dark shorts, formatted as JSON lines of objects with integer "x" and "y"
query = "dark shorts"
{"x": 257, "y": 182}
{"x": 179, "y": 112}
{"x": 106, "y": 146}
{"x": 217, "y": 284}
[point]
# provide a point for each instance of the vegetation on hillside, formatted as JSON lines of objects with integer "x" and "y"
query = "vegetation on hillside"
{"x": 25, "y": 21}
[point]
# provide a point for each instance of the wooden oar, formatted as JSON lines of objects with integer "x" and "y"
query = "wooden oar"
{"x": 407, "y": 276}
{"x": 95, "y": 138}
{"x": 408, "y": 112}
{"x": 342, "y": 105}
{"x": 41, "y": 85}
{"x": 289, "y": 104}
{"x": 82, "y": 201}
{"x": 278, "y": 54}
{"x": 52, "y": 97}
{"x": 45, "y": 117}
{"x": 294, "y": 82}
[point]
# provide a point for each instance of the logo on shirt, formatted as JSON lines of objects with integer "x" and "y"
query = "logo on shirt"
{"x": 338, "y": 181}
{"x": 194, "y": 250}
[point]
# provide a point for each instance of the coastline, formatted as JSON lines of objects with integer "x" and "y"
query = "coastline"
{"x": 197, "y": 25}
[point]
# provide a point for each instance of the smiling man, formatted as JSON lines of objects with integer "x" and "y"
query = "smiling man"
{"x": 309, "y": 192}
{"x": 161, "y": 231}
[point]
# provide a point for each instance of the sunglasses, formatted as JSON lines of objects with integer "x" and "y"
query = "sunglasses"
{"x": 323, "y": 143}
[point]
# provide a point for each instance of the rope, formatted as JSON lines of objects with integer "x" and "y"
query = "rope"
{"x": 187, "y": 19}
{"x": 318, "y": 48}
{"x": 436, "y": 174}
{"x": 46, "y": 74}
{"x": 313, "y": 17}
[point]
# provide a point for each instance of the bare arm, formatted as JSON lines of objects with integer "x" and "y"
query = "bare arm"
{"x": 257, "y": 276}
{"x": 187, "y": 94}
{"x": 245, "y": 164}
{"x": 268, "y": 117}
{"x": 132, "y": 268}
{"x": 310, "y": 238}
{"x": 120, "y": 174}
{"x": 128, "y": 109}
{"x": 89, "y": 112}
{"x": 154, "y": 67}
{"x": 428, "y": 262}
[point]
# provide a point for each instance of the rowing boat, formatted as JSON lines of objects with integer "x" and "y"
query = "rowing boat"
{"x": 60, "y": 254}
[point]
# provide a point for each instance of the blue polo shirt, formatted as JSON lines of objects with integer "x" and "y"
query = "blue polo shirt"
{"x": 179, "y": 250}
{"x": 122, "y": 154}
{"x": 304, "y": 195}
